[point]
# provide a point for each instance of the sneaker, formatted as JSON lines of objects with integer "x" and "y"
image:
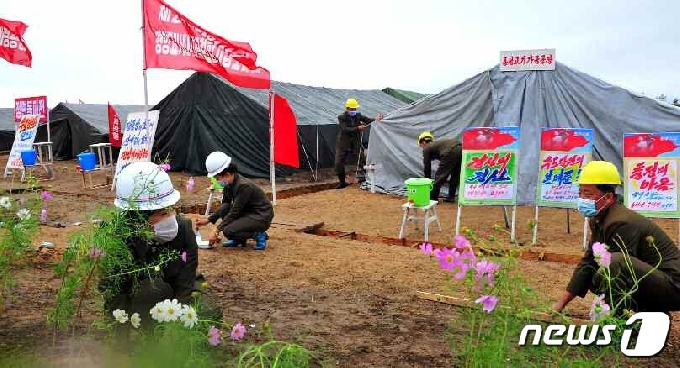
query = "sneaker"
{"x": 260, "y": 240}
{"x": 231, "y": 244}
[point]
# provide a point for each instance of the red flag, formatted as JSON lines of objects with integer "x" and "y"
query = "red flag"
{"x": 115, "y": 133}
{"x": 171, "y": 41}
{"x": 12, "y": 45}
{"x": 285, "y": 133}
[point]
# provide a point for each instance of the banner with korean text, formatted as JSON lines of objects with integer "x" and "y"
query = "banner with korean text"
{"x": 23, "y": 141}
{"x": 564, "y": 152}
{"x": 30, "y": 106}
{"x": 651, "y": 173}
{"x": 138, "y": 138}
{"x": 522, "y": 60}
{"x": 489, "y": 169}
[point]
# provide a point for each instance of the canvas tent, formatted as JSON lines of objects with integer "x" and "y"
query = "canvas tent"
{"x": 532, "y": 99}
{"x": 403, "y": 95}
{"x": 6, "y": 129}
{"x": 206, "y": 113}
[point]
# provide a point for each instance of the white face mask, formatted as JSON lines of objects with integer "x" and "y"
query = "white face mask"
{"x": 166, "y": 229}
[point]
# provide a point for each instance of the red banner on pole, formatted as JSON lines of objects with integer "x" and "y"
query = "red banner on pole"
{"x": 115, "y": 133}
{"x": 285, "y": 133}
{"x": 30, "y": 106}
{"x": 171, "y": 41}
{"x": 12, "y": 45}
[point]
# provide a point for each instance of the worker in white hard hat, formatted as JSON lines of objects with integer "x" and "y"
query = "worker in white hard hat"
{"x": 246, "y": 212}
{"x": 348, "y": 142}
{"x": 146, "y": 194}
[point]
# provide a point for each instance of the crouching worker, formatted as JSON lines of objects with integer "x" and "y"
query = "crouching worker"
{"x": 635, "y": 247}
{"x": 162, "y": 245}
{"x": 449, "y": 152}
{"x": 245, "y": 212}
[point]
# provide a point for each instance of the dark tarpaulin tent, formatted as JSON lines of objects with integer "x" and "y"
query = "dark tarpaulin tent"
{"x": 74, "y": 127}
{"x": 206, "y": 113}
{"x": 563, "y": 98}
{"x": 7, "y": 127}
{"x": 403, "y": 95}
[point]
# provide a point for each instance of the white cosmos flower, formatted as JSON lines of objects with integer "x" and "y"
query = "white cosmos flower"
{"x": 188, "y": 316}
{"x": 158, "y": 312}
{"x": 24, "y": 214}
{"x": 120, "y": 315}
{"x": 135, "y": 320}
{"x": 5, "y": 202}
{"x": 173, "y": 309}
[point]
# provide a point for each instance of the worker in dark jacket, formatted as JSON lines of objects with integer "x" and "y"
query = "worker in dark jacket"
{"x": 637, "y": 246}
{"x": 246, "y": 212}
{"x": 449, "y": 152}
{"x": 351, "y": 123}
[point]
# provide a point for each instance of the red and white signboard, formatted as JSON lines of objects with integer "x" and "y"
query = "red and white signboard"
{"x": 514, "y": 61}
{"x": 30, "y": 106}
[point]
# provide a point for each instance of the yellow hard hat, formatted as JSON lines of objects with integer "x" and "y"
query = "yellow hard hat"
{"x": 599, "y": 172}
{"x": 424, "y": 135}
{"x": 352, "y": 103}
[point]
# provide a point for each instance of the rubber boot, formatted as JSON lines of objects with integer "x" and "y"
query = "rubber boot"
{"x": 342, "y": 183}
{"x": 260, "y": 240}
{"x": 232, "y": 243}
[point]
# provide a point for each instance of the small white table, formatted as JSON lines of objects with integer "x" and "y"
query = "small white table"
{"x": 429, "y": 215}
{"x": 104, "y": 154}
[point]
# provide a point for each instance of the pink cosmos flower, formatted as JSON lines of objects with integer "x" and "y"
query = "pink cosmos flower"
{"x": 447, "y": 259}
{"x": 238, "y": 332}
{"x": 214, "y": 336}
{"x": 184, "y": 256}
{"x": 462, "y": 268}
{"x": 461, "y": 242}
{"x": 485, "y": 268}
{"x": 164, "y": 167}
{"x": 43, "y": 215}
{"x": 96, "y": 252}
{"x": 426, "y": 248}
{"x": 191, "y": 183}
{"x": 488, "y": 302}
{"x": 46, "y": 195}
{"x": 599, "y": 309}
{"x": 602, "y": 256}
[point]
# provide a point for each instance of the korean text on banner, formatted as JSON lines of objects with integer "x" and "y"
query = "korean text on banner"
{"x": 651, "y": 173}
{"x": 520, "y": 60}
{"x": 138, "y": 137}
{"x": 490, "y": 162}
{"x": 13, "y": 48}
{"x": 563, "y": 153}
{"x": 30, "y": 106}
{"x": 172, "y": 41}
{"x": 23, "y": 141}
{"x": 115, "y": 131}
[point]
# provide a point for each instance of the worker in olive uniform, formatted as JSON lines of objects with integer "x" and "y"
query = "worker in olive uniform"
{"x": 246, "y": 212}
{"x": 351, "y": 123}
{"x": 624, "y": 232}
{"x": 449, "y": 152}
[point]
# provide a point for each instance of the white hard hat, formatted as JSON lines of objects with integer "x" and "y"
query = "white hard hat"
{"x": 216, "y": 163}
{"x": 144, "y": 186}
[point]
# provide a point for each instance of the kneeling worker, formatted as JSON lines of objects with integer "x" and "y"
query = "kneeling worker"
{"x": 245, "y": 211}
{"x": 449, "y": 152}
{"x": 636, "y": 244}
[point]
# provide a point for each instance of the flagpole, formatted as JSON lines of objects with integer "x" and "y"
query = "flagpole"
{"x": 146, "y": 88}
{"x": 272, "y": 166}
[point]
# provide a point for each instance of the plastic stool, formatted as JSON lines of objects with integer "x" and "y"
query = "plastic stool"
{"x": 429, "y": 215}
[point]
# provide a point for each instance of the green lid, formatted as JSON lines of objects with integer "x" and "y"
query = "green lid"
{"x": 418, "y": 181}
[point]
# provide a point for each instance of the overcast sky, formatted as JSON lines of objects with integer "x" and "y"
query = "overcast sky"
{"x": 92, "y": 50}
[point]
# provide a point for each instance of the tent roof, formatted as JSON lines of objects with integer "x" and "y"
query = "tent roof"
{"x": 7, "y": 119}
{"x": 321, "y": 105}
{"x": 403, "y": 95}
{"x": 97, "y": 115}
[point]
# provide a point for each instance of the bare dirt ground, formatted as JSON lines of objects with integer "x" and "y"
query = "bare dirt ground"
{"x": 351, "y": 302}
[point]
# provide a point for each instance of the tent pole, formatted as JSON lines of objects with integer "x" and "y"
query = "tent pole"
{"x": 316, "y": 169}
{"x": 272, "y": 167}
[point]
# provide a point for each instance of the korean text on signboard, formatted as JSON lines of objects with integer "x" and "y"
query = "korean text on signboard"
{"x": 512, "y": 61}
{"x": 489, "y": 172}
{"x": 563, "y": 154}
{"x": 650, "y": 166}
{"x": 30, "y": 106}
{"x": 23, "y": 140}
{"x": 138, "y": 138}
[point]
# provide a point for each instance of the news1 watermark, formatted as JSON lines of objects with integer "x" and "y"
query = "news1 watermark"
{"x": 651, "y": 337}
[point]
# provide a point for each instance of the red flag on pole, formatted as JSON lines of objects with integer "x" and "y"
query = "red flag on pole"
{"x": 172, "y": 41}
{"x": 12, "y": 45}
{"x": 115, "y": 132}
{"x": 285, "y": 133}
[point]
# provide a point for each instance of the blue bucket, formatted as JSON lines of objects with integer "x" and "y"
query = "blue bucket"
{"x": 87, "y": 161}
{"x": 29, "y": 157}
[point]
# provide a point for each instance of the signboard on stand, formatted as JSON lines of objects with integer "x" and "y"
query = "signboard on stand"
{"x": 488, "y": 174}
{"x": 23, "y": 141}
{"x": 650, "y": 164}
{"x": 138, "y": 138}
{"x": 31, "y": 106}
{"x": 564, "y": 152}
{"x": 521, "y": 60}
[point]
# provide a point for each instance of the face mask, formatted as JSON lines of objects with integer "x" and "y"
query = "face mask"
{"x": 588, "y": 207}
{"x": 353, "y": 113}
{"x": 223, "y": 183}
{"x": 166, "y": 229}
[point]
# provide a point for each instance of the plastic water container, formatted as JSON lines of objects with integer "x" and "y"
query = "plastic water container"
{"x": 418, "y": 190}
{"x": 29, "y": 157}
{"x": 87, "y": 161}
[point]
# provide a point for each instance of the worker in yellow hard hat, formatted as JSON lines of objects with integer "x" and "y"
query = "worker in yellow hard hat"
{"x": 351, "y": 123}
{"x": 449, "y": 152}
{"x": 626, "y": 243}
